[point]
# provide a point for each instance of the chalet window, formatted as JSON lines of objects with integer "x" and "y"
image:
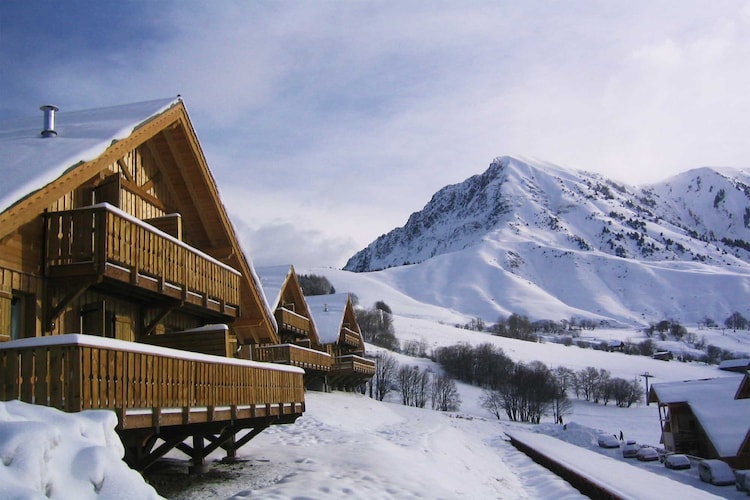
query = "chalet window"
{"x": 96, "y": 320}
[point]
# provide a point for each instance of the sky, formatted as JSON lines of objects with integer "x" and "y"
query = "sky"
{"x": 326, "y": 124}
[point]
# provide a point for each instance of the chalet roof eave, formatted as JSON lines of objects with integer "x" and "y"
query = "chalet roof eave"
{"x": 74, "y": 164}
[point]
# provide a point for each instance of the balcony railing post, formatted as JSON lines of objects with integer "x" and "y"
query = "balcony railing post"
{"x": 100, "y": 246}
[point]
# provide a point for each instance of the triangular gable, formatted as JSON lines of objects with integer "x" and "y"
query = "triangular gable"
{"x": 88, "y": 142}
{"x": 328, "y": 315}
{"x": 332, "y": 313}
{"x": 282, "y": 288}
{"x": 350, "y": 324}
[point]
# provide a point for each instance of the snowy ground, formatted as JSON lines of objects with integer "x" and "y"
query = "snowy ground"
{"x": 348, "y": 444}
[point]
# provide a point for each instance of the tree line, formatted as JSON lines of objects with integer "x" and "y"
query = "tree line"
{"x": 416, "y": 386}
{"x": 528, "y": 391}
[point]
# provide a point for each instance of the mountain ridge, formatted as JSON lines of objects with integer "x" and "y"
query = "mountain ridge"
{"x": 565, "y": 233}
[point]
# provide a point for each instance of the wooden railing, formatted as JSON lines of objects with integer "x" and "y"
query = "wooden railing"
{"x": 352, "y": 363}
{"x": 294, "y": 355}
{"x": 84, "y": 241}
{"x": 290, "y": 320}
{"x": 79, "y": 372}
{"x": 351, "y": 337}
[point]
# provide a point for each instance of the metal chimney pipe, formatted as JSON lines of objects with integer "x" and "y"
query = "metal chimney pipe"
{"x": 49, "y": 120}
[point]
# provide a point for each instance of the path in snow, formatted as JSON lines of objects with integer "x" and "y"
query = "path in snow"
{"x": 350, "y": 445}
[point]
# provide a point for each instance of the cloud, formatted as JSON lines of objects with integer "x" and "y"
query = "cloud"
{"x": 284, "y": 243}
{"x": 336, "y": 120}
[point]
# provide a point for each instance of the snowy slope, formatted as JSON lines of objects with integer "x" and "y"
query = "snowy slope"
{"x": 539, "y": 240}
{"x": 348, "y": 444}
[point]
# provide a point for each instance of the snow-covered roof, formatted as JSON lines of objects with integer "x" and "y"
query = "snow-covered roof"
{"x": 616, "y": 477}
{"x": 272, "y": 280}
{"x": 735, "y": 364}
{"x": 28, "y": 161}
{"x": 327, "y": 313}
{"x": 722, "y": 417}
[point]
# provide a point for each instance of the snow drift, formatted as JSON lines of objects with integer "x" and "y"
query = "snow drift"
{"x": 47, "y": 453}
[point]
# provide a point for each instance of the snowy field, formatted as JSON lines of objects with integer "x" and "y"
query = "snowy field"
{"x": 347, "y": 444}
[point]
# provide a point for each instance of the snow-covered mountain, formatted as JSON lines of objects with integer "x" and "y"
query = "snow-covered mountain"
{"x": 537, "y": 239}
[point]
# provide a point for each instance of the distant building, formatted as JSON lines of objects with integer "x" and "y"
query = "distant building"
{"x": 615, "y": 345}
{"x": 707, "y": 418}
{"x": 300, "y": 345}
{"x": 336, "y": 324}
{"x": 735, "y": 365}
{"x": 663, "y": 355}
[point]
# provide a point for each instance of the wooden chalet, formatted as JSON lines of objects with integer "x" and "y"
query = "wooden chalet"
{"x": 706, "y": 418}
{"x": 300, "y": 345}
{"x": 336, "y": 324}
{"x": 112, "y": 231}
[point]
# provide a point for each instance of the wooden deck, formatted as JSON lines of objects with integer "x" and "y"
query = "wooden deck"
{"x": 294, "y": 355}
{"x": 293, "y": 322}
{"x": 350, "y": 371}
{"x": 350, "y": 337}
{"x": 104, "y": 241}
{"x": 156, "y": 392}
{"x": 145, "y": 384}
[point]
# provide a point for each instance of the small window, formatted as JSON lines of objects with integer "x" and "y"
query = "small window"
{"x": 97, "y": 320}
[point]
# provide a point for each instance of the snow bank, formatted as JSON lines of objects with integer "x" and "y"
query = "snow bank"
{"x": 621, "y": 479}
{"x": 47, "y": 453}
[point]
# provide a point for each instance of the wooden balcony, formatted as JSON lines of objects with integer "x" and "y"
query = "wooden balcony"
{"x": 147, "y": 386}
{"x": 351, "y": 363}
{"x": 292, "y": 322}
{"x": 350, "y": 371}
{"x": 103, "y": 241}
{"x": 350, "y": 337}
{"x": 294, "y": 355}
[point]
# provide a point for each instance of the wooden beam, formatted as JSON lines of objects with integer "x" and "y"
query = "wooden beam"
{"x": 54, "y": 311}
{"x": 125, "y": 169}
{"x": 149, "y": 459}
{"x": 148, "y": 185}
{"x": 138, "y": 190}
{"x": 250, "y": 435}
{"x": 148, "y": 329}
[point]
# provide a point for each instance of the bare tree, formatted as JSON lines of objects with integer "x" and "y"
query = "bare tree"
{"x": 445, "y": 394}
{"x": 414, "y": 385}
{"x": 561, "y": 405}
{"x": 385, "y": 371}
{"x": 492, "y": 401}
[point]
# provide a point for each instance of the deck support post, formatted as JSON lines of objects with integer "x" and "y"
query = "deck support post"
{"x": 198, "y": 457}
